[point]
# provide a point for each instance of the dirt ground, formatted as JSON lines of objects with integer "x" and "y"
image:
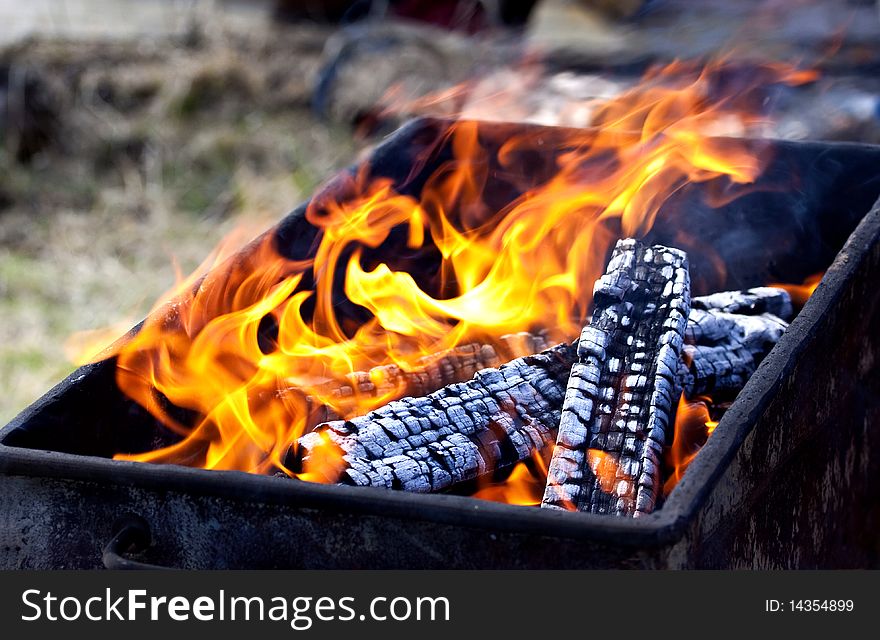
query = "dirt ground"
{"x": 158, "y": 149}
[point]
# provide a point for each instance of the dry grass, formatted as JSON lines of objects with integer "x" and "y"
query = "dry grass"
{"x": 162, "y": 151}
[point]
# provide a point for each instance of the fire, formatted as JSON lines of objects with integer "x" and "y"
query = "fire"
{"x": 243, "y": 361}
{"x": 326, "y": 463}
{"x": 84, "y": 347}
{"x": 606, "y": 468}
{"x": 524, "y": 486}
{"x": 800, "y": 293}
{"x": 693, "y": 426}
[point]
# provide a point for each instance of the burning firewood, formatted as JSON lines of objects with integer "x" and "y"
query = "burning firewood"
{"x": 752, "y": 301}
{"x": 708, "y": 364}
{"x": 722, "y": 350}
{"x": 504, "y": 414}
{"x": 623, "y": 388}
{"x": 458, "y": 433}
{"x": 456, "y": 365}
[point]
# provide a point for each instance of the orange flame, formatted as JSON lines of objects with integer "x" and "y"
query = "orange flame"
{"x": 526, "y": 483}
{"x": 800, "y": 293}
{"x": 325, "y": 463}
{"x": 693, "y": 426}
{"x": 606, "y": 468}
{"x": 205, "y": 369}
{"x": 524, "y": 486}
{"x": 85, "y": 347}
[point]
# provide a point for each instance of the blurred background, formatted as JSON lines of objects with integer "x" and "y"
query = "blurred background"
{"x": 136, "y": 134}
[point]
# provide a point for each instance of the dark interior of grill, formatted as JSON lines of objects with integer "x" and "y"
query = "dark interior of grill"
{"x": 786, "y": 227}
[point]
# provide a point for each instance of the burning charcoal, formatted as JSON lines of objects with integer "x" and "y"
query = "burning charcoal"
{"x": 623, "y": 388}
{"x": 751, "y": 302}
{"x": 458, "y": 433}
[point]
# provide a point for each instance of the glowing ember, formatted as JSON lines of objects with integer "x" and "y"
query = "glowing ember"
{"x": 205, "y": 368}
{"x": 606, "y": 468}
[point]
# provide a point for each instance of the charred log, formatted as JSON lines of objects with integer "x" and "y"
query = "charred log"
{"x": 717, "y": 370}
{"x": 623, "y": 388}
{"x": 749, "y": 302}
{"x": 458, "y": 433}
{"x": 723, "y": 350}
{"x": 434, "y": 372}
{"x": 712, "y": 326}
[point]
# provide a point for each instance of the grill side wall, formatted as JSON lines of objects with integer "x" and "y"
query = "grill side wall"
{"x": 801, "y": 490}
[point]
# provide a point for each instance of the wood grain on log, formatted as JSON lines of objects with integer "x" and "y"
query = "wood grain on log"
{"x": 623, "y": 388}
{"x": 463, "y": 431}
{"x": 436, "y": 371}
{"x": 429, "y": 374}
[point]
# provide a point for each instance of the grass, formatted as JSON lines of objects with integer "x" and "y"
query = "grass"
{"x": 161, "y": 153}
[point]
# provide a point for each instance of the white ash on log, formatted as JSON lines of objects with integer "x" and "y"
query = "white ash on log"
{"x": 714, "y": 366}
{"x": 723, "y": 350}
{"x": 711, "y": 326}
{"x": 623, "y": 389}
{"x": 749, "y": 302}
{"x": 463, "y": 431}
{"x": 758, "y": 333}
{"x": 715, "y": 370}
{"x": 723, "y": 367}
